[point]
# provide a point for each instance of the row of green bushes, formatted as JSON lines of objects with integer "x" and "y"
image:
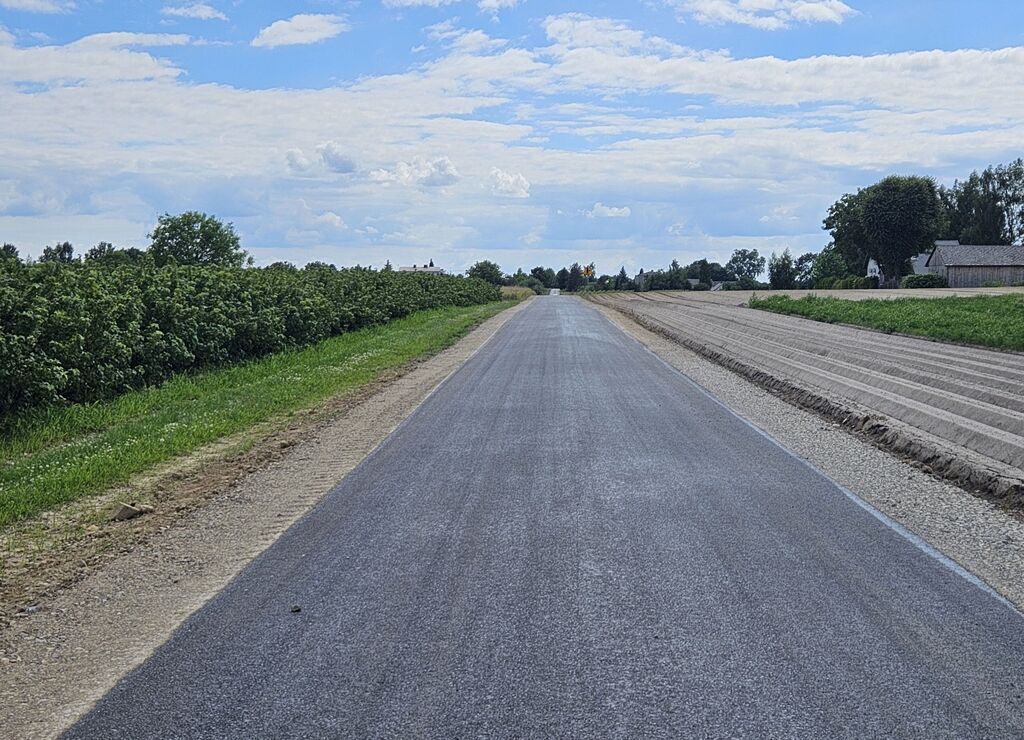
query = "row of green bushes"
{"x": 924, "y": 281}
{"x": 77, "y": 333}
{"x": 850, "y": 282}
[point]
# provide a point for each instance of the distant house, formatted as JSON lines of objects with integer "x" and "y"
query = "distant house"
{"x": 918, "y": 266}
{"x": 972, "y": 265}
{"x": 429, "y": 269}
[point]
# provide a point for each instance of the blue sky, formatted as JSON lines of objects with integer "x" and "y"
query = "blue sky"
{"x": 523, "y": 131}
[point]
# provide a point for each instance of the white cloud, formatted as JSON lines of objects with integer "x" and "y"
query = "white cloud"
{"x": 418, "y": 3}
{"x": 336, "y": 158}
{"x": 512, "y": 185}
{"x": 769, "y": 15}
{"x": 438, "y": 172}
{"x": 493, "y": 6}
{"x": 331, "y": 219}
{"x": 297, "y": 161}
{"x": 39, "y": 6}
{"x": 199, "y": 11}
{"x": 301, "y": 29}
{"x": 600, "y": 210}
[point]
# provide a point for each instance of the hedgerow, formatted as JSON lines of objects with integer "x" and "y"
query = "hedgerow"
{"x": 72, "y": 333}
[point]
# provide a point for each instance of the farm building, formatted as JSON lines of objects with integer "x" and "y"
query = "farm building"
{"x": 429, "y": 269}
{"x": 971, "y": 266}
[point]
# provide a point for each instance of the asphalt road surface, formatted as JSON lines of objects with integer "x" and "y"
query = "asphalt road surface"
{"x": 569, "y": 539}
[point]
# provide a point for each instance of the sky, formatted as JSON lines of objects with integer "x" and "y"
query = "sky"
{"x": 625, "y": 133}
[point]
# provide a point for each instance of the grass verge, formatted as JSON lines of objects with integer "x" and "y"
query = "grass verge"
{"x": 990, "y": 321}
{"x": 52, "y": 457}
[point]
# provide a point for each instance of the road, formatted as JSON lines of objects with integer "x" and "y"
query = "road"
{"x": 570, "y": 539}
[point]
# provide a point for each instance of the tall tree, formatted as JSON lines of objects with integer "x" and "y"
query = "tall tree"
{"x": 62, "y": 252}
{"x": 845, "y": 222}
{"x": 901, "y": 218}
{"x": 676, "y": 276}
{"x": 562, "y": 279}
{"x": 974, "y": 210}
{"x": 1010, "y": 181}
{"x": 802, "y": 269}
{"x": 8, "y": 252}
{"x": 546, "y": 276}
{"x": 622, "y": 281}
{"x": 194, "y": 238}
{"x": 782, "y": 271}
{"x": 487, "y": 271}
{"x": 575, "y": 279}
{"x": 829, "y": 264}
{"x": 746, "y": 263}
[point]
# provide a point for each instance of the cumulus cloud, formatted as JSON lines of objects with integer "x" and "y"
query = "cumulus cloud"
{"x": 39, "y": 6}
{"x": 336, "y": 158}
{"x": 769, "y": 15}
{"x": 437, "y": 172}
{"x": 304, "y": 28}
{"x": 511, "y": 185}
{"x": 199, "y": 11}
{"x": 600, "y": 210}
{"x": 297, "y": 161}
{"x": 331, "y": 219}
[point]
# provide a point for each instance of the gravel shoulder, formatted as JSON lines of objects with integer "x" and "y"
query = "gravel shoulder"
{"x": 984, "y": 538}
{"x": 65, "y": 652}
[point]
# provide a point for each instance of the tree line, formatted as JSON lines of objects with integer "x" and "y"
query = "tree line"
{"x": 79, "y": 330}
{"x": 892, "y": 221}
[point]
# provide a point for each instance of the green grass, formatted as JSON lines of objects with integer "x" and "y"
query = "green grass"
{"x": 990, "y": 321}
{"x": 53, "y": 457}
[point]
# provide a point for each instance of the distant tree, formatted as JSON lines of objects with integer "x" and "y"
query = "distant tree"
{"x": 704, "y": 272}
{"x": 828, "y": 265}
{"x": 487, "y": 271}
{"x": 108, "y": 255}
{"x": 746, "y": 263}
{"x": 974, "y": 212}
{"x": 622, "y": 281}
{"x": 803, "y": 267}
{"x": 317, "y": 265}
{"x": 194, "y": 238}
{"x": 902, "y": 217}
{"x": 1010, "y": 183}
{"x": 575, "y": 279}
{"x": 282, "y": 265}
{"x": 781, "y": 271}
{"x": 9, "y": 252}
{"x": 676, "y": 276}
{"x": 545, "y": 275}
{"x": 845, "y": 222}
{"x": 387, "y": 267}
{"x": 720, "y": 273}
{"x": 562, "y": 278}
{"x": 62, "y": 252}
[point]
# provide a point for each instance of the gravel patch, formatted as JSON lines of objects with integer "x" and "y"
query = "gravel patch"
{"x": 57, "y": 658}
{"x": 986, "y": 540}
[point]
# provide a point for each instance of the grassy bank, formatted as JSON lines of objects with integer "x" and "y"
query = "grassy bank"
{"x": 53, "y": 457}
{"x": 991, "y": 321}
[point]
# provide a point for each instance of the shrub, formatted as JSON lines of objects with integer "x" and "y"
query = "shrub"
{"x": 991, "y": 284}
{"x": 701, "y": 286}
{"x": 924, "y": 281}
{"x": 83, "y": 332}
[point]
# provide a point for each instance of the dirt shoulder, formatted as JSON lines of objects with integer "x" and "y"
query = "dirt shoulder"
{"x": 985, "y": 538}
{"x": 98, "y": 597}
